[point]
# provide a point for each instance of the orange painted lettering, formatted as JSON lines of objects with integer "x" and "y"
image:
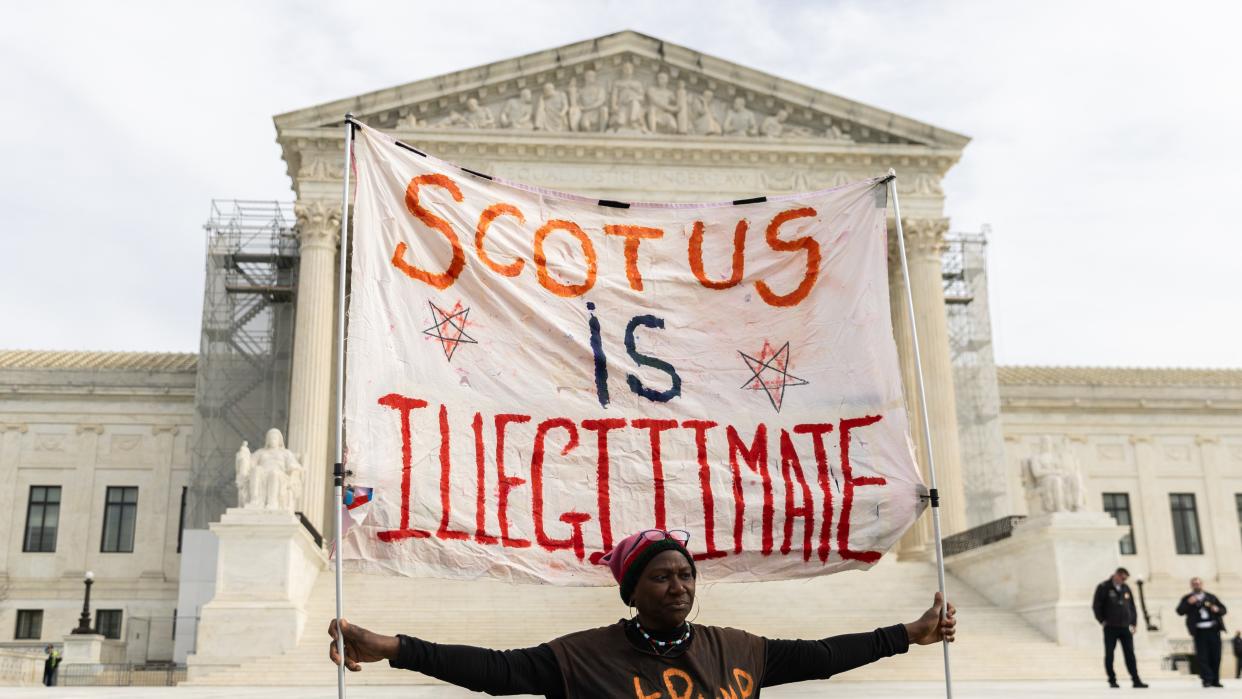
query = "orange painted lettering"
{"x": 739, "y": 257}
{"x": 807, "y": 244}
{"x": 634, "y": 235}
{"x": 485, "y": 220}
{"x": 745, "y": 683}
{"x": 541, "y": 261}
{"x": 446, "y": 278}
{"x": 673, "y": 673}
{"x": 640, "y": 693}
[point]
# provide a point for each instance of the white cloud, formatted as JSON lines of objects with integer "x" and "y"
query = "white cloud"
{"x": 1103, "y": 153}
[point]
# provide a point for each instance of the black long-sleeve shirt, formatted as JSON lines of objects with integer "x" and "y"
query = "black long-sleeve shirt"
{"x": 536, "y": 671}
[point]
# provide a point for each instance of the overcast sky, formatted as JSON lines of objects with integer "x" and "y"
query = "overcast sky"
{"x": 1106, "y": 151}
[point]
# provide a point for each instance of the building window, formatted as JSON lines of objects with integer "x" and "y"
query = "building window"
{"x": 1185, "y": 524}
{"x": 1118, "y": 505}
{"x": 42, "y": 516}
{"x": 181, "y": 519}
{"x": 120, "y": 511}
{"x": 108, "y": 623}
{"x": 29, "y": 625}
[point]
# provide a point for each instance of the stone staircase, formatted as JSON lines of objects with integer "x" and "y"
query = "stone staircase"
{"x": 994, "y": 644}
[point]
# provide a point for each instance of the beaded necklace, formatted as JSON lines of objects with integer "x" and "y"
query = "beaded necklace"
{"x": 659, "y": 646}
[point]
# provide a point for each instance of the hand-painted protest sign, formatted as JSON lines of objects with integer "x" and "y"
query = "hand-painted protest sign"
{"x": 533, "y": 375}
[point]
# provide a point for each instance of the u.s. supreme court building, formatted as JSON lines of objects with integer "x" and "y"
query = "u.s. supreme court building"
{"x": 122, "y": 464}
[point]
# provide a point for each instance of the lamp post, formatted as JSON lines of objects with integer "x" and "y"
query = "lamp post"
{"x": 84, "y": 622}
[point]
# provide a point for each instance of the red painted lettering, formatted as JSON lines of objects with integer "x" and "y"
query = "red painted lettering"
{"x": 480, "y": 501}
{"x": 756, "y": 457}
{"x": 404, "y": 405}
{"x": 446, "y": 468}
{"x": 791, "y": 464}
{"x": 847, "y": 495}
{"x": 817, "y": 432}
{"x": 656, "y": 427}
{"x": 602, "y": 476}
{"x": 573, "y": 519}
{"x": 700, "y": 428}
{"x": 505, "y": 483}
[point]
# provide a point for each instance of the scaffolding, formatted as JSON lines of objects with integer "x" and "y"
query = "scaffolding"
{"x": 964, "y": 267}
{"x": 245, "y": 351}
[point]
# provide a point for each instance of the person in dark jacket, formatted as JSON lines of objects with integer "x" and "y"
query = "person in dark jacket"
{"x": 1204, "y": 612}
{"x": 656, "y": 653}
{"x": 1237, "y": 654}
{"x": 1114, "y": 609}
{"x": 50, "y": 664}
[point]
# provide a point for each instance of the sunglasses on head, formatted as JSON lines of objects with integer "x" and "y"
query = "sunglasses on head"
{"x": 681, "y": 536}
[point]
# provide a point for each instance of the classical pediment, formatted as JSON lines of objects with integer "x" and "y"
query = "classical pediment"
{"x": 624, "y": 85}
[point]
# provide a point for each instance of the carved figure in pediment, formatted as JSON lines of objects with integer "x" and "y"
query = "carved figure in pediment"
{"x": 519, "y": 112}
{"x": 588, "y": 107}
{"x": 407, "y": 122}
{"x": 833, "y": 131}
{"x": 702, "y": 119}
{"x": 627, "y": 102}
{"x": 740, "y": 121}
{"x": 666, "y": 109}
{"x": 477, "y": 116}
{"x": 552, "y": 114}
{"x": 773, "y": 126}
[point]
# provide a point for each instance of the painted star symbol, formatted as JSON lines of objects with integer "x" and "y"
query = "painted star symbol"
{"x": 769, "y": 373}
{"x": 450, "y": 328}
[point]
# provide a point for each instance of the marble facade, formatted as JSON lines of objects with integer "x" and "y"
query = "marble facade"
{"x": 623, "y": 117}
{"x": 630, "y": 118}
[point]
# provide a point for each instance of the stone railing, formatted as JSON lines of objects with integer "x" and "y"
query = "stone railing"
{"x": 981, "y": 535}
{"x": 20, "y": 667}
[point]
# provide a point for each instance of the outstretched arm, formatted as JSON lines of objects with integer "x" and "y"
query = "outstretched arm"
{"x": 525, "y": 671}
{"x": 796, "y": 661}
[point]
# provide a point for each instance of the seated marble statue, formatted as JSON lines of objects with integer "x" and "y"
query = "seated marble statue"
{"x": 270, "y": 478}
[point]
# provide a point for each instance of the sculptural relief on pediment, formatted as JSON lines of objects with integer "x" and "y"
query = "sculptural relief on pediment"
{"x": 627, "y": 95}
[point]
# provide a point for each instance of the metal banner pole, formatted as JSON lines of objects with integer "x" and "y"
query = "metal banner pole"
{"x": 927, "y": 435}
{"x": 338, "y": 471}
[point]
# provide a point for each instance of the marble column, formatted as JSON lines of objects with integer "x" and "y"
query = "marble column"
{"x": 14, "y": 510}
{"x": 915, "y": 544}
{"x": 924, "y": 249}
{"x": 159, "y": 500}
{"x": 1155, "y": 526}
{"x": 1220, "y": 511}
{"x": 310, "y": 400}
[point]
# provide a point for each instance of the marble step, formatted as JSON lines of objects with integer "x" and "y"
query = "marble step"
{"x": 508, "y": 616}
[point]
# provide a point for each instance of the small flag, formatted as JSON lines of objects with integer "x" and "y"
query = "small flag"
{"x": 356, "y": 496}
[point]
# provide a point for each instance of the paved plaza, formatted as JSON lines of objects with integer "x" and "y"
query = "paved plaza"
{"x": 1186, "y": 687}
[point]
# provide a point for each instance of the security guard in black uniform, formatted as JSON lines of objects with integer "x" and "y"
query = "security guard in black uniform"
{"x": 1114, "y": 609}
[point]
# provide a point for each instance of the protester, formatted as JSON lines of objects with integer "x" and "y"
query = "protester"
{"x": 653, "y": 652}
{"x": 1114, "y": 609}
{"x": 1204, "y": 612}
{"x": 50, "y": 665}
{"x": 1237, "y": 655}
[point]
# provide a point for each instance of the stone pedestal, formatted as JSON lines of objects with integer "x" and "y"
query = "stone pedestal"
{"x": 267, "y": 565}
{"x": 1047, "y": 572}
{"x": 83, "y": 649}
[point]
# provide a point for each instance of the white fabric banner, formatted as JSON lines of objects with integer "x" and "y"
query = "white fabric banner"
{"x": 532, "y": 376}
